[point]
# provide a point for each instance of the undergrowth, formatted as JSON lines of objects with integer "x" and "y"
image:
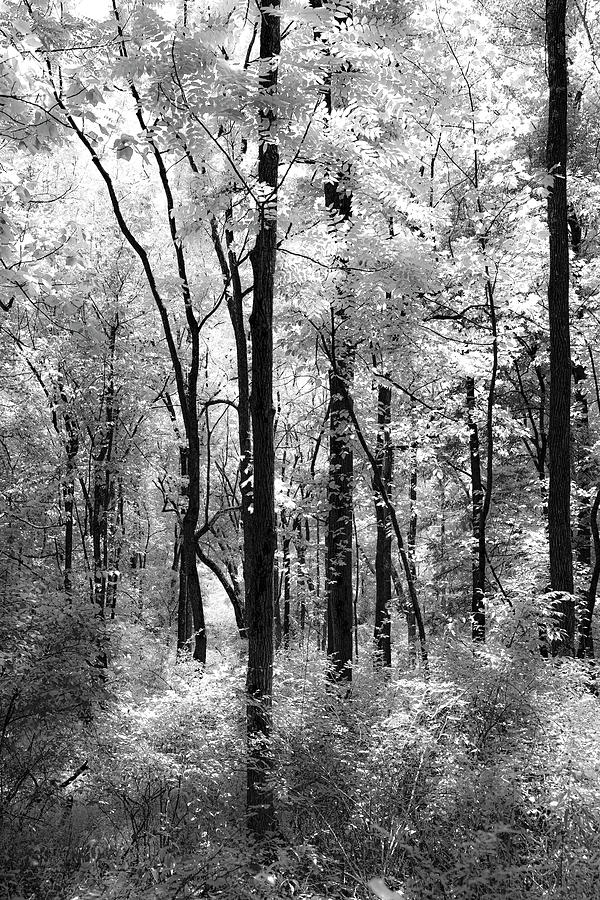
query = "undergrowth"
{"x": 481, "y": 782}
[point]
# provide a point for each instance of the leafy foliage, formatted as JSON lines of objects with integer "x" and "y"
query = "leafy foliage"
{"x": 129, "y": 204}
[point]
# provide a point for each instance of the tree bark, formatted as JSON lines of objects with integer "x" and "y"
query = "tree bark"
{"x": 559, "y": 519}
{"x": 338, "y": 570}
{"x": 383, "y": 552}
{"x": 287, "y": 576}
{"x": 72, "y": 450}
{"x": 339, "y": 525}
{"x": 581, "y": 453}
{"x": 585, "y": 649}
{"x": 260, "y": 548}
{"x": 411, "y": 546}
{"x": 380, "y": 486}
{"x": 189, "y": 582}
{"x": 305, "y": 582}
{"x": 581, "y": 438}
{"x": 477, "y": 524}
{"x": 230, "y": 586}
{"x": 236, "y": 315}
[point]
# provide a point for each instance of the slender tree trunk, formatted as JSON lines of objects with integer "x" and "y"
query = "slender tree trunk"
{"x": 305, "y": 582}
{"x": 72, "y": 448}
{"x": 189, "y": 581}
{"x": 380, "y": 486}
{"x": 116, "y": 537}
{"x": 287, "y": 575}
{"x": 581, "y": 454}
{"x": 277, "y": 605}
{"x": 260, "y": 548}
{"x": 236, "y": 314}
{"x": 559, "y": 495}
{"x": 585, "y": 649}
{"x": 339, "y": 525}
{"x": 229, "y": 584}
{"x": 586, "y": 640}
{"x": 190, "y": 594}
{"x": 322, "y": 611}
{"x": 581, "y": 440}
{"x": 383, "y": 551}
{"x": 338, "y": 573}
{"x": 97, "y": 525}
{"x": 185, "y": 628}
{"x": 478, "y": 532}
{"x": 411, "y": 546}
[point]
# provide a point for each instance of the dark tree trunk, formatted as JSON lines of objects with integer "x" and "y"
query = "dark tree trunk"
{"x": 339, "y": 525}
{"x": 189, "y": 582}
{"x": 277, "y": 605}
{"x": 72, "y": 448}
{"x": 102, "y": 497}
{"x": 321, "y": 610}
{"x": 411, "y": 546}
{"x": 260, "y": 549}
{"x": 190, "y": 594}
{"x": 581, "y": 440}
{"x": 383, "y": 551}
{"x": 116, "y": 537}
{"x": 236, "y": 314}
{"x": 559, "y": 517}
{"x": 305, "y": 581}
{"x": 585, "y": 649}
{"x": 581, "y": 453}
{"x": 338, "y": 574}
{"x": 230, "y": 585}
{"x": 478, "y": 528}
{"x": 185, "y": 628}
{"x": 380, "y": 486}
{"x": 98, "y": 534}
{"x": 287, "y": 576}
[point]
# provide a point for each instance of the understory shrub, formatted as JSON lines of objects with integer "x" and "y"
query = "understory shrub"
{"x": 480, "y": 782}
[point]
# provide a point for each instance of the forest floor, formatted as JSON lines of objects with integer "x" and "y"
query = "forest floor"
{"x": 482, "y": 783}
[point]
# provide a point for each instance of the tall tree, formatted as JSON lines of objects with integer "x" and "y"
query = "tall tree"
{"x": 338, "y": 202}
{"x": 478, "y": 526}
{"x": 559, "y": 425}
{"x": 260, "y": 549}
{"x": 383, "y": 553}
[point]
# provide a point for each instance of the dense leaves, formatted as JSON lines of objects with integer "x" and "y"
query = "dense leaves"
{"x": 244, "y": 283}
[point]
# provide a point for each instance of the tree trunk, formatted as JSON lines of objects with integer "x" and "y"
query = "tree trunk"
{"x": 338, "y": 574}
{"x": 287, "y": 575}
{"x": 305, "y": 582}
{"x": 339, "y": 525}
{"x": 189, "y": 582}
{"x": 478, "y": 529}
{"x": 383, "y": 551}
{"x": 411, "y": 546}
{"x": 116, "y": 538}
{"x": 72, "y": 449}
{"x": 321, "y": 610}
{"x": 380, "y": 486}
{"x": 277, "y": 606}
{"x": 559, "y": 519}
{"x": 585, "y": 649}
{"x": 230, "y": 586}
{"x": 236, "y": 314}
{"x": 260, "y": 548}
{"x": 581, "y": 441}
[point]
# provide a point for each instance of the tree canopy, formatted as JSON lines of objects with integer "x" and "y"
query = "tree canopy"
{"x": 299, "y": 457}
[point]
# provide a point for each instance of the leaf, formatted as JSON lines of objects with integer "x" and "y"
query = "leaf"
{"x": 382, "y": 891}
{"x": 125, "y": 153}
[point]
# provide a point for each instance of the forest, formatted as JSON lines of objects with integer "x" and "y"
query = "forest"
{"x": 299, "y": 449}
